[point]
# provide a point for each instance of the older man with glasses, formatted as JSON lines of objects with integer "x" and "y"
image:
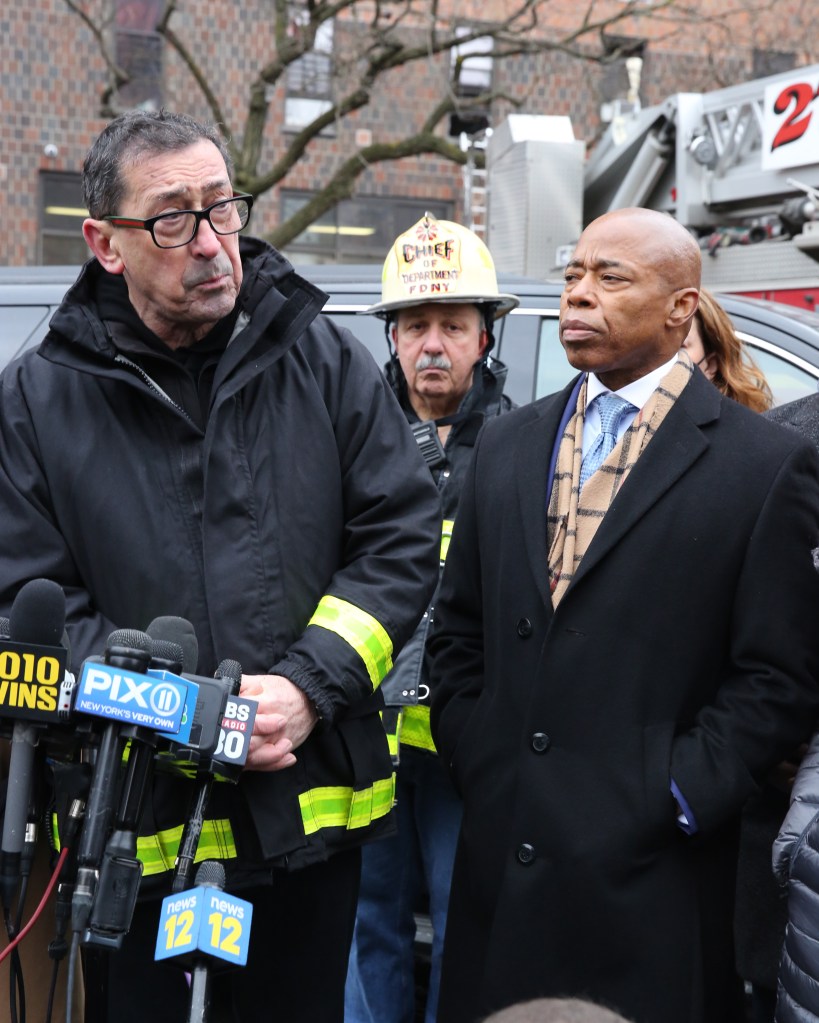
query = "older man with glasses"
{"x": 194, "y": 439}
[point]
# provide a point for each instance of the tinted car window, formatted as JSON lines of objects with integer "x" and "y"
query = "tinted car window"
{"x": 21, "y": 325}
{"x": 787, "y": 379}
{"x": 368, "y": 329}
{"x": 553, "y": 369}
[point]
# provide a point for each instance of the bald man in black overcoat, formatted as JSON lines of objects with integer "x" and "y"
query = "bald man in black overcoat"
{"x": 622, "y": 651}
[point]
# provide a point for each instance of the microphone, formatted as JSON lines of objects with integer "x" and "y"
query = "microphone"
{"x": 231, "y": 672}
{"x": 129, "y": 651}
{"x": 201, "y": 926}
{"x": 166, "y": 656}
{"x": 211, "y": 874}
{"x": 121, "y": 871}
{"x": 205, "y": 704}
{"x": 180, "y": 631}
{"x": 37, "y": 620}
{"x": 231, "y": 751}
{"x": 229, "y": 677}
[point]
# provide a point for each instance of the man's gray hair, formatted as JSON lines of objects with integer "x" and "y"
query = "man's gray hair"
{"x": 556, "y": 1010}
{"x": 126, "y": 140}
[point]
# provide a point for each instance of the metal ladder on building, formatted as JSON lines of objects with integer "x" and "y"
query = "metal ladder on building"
{"x": 475, "y": 183}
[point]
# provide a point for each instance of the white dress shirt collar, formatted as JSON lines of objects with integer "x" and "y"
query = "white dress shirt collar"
{"x": 637, "y": 392}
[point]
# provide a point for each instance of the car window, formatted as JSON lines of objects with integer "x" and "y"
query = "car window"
{"x": 368, "y": 329}
{"x": 21, "y": 324}
{"x": 517, "y": 339}
{"x": 788, "y": 376}
{"x": 553, "y": 369}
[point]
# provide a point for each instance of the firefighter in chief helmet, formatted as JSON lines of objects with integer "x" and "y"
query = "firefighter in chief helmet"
{"x": 440, "y": 299}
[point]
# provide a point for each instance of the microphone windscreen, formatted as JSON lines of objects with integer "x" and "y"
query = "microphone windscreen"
{"x": 230, "y": 671}
{"x": 130, "y": 638}
{"x": 38, "y": 613}
{"x": 210, "y": 874}
{"x": 4, "y": 628}
{"x": 164, "y": 650}
{"x": 177, "y": 630}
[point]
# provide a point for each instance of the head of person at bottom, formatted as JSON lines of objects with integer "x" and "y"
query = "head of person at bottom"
{"x": 439, "y": 298}
{"x": 631, "y": 290}
{"x": 556, "y": 1010}
{"x": 163, "y": 215}
{"x": 714, "y": 346}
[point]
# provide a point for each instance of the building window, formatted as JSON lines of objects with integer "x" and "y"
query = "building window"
{"x": 474, "y": 79}
{"x": 772, "y": 62}
{"x": 356, "y": 230}
{"x": 61, "y": 215}
{"x": 138, "y": 51}
{"x": 309, "y": 79}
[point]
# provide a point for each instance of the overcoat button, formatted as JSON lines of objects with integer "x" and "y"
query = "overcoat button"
{"x": 540, "y": 742}
{"x": 524, "y": 628}
{"x": 526, "y": 854}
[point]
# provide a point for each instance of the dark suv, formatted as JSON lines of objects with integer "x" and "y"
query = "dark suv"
{"x": 783, "y": 340}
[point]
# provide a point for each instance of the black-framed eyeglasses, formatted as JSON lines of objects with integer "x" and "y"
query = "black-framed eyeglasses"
{"x": 173, "y": 230}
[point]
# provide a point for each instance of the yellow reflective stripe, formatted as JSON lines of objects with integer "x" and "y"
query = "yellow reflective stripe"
{"x": 158, "y": 851}
{"x": 391, "y": 720}
{"x": 415, "y": 728}
{"x": 446, "y": 535}
{"x": 339, "y": 806}
{"x": 364, "y": 633}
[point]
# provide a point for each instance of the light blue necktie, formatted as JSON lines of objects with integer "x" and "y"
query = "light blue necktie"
{"x": 610, "y": 408}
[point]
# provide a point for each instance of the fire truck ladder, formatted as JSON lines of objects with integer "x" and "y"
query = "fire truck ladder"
{"x": 698, "y": 155}
{"x": 475, "y": 183}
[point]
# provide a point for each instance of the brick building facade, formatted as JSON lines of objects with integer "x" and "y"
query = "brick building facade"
{"x": 53, "y": 78}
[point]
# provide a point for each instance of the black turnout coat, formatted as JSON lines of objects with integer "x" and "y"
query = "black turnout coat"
{"x": 685, "y": 648}
{"x": 302, "y": 482}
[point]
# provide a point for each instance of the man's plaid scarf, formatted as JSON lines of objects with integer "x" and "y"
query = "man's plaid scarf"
{"x": 573, "y": 518}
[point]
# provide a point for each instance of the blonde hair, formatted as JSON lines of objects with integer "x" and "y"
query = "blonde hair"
{"x": 736, "y": 375}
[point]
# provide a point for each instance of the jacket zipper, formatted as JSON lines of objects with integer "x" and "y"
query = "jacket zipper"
{"x": 154, "y": 386}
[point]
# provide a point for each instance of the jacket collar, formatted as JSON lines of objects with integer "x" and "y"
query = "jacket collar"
{"x": 271, "y": 291}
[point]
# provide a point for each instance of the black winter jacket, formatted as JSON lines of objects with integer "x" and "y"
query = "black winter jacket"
{"x": 301, "y": 495}
{"x": 407, "y": 684}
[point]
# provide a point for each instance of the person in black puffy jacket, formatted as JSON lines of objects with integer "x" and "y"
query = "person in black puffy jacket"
{"x": 796, "y": 864}
{"x": 795, "y": 856}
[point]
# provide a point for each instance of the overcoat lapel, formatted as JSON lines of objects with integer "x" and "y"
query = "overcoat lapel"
{"x": 670, "y": 454}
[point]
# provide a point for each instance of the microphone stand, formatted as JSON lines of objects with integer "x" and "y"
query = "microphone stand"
{"x": 211, "y": 874}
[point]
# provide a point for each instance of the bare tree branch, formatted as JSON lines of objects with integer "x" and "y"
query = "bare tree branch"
{"x": 165, "y": 30}
{"x": 340, "y": 185}
{"x": 380, "y": 38}
{"x": 118, "y": 75}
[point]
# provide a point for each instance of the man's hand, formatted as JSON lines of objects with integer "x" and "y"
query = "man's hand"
{"x": 283, "y": 721}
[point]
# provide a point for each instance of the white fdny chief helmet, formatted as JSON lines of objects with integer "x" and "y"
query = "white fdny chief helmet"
{"x": 439, "y": 261}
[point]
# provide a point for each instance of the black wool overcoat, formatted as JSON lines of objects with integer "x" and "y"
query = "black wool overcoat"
{"x": 686, "y": 649}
